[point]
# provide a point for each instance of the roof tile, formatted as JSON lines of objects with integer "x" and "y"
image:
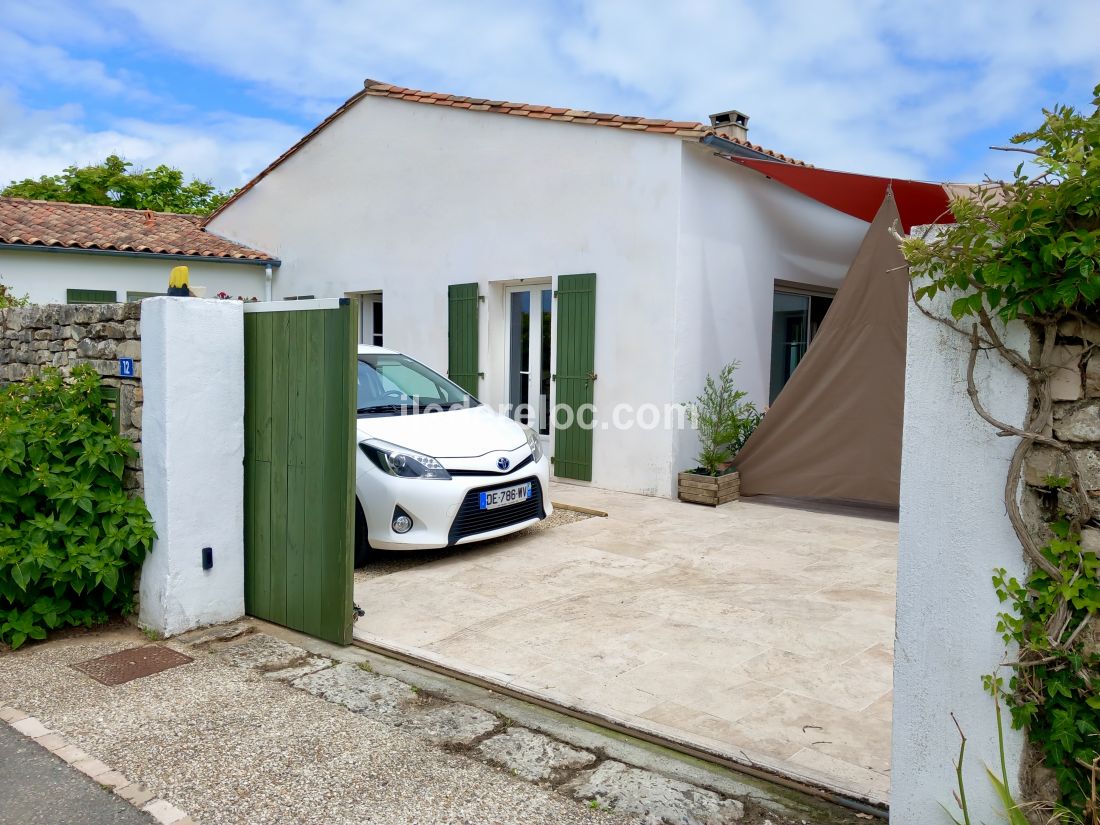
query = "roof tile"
{"x": 374, "y": 88}
{"x": 83, "y": 226}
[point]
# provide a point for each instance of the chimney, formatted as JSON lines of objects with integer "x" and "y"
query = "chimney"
{"x": 732, "y": 124}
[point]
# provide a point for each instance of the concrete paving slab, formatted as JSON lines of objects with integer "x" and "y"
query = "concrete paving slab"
{"x": 308, "y": 665}
{"x": 532, "y": 756}
{"x": 260, "y": 651}
{"x": 655, "y": 799}
{"x": 374, "y": 696}
{"x": 452, "y": 724}
{"x": 679, "y": 620}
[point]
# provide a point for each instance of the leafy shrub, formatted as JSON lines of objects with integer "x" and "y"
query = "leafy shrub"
{"x": 10, "y": 299}
{"x": 725, "y": 421}
{"x": 71, "y": 539}
{"x": 1056, "y": 699}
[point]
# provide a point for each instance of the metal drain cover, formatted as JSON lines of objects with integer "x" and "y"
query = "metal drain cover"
{"x": 127, "y": 665}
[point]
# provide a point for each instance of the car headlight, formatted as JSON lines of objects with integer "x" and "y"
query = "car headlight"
{"x": 534, "y": 443}
{"x": 402, "y": 463}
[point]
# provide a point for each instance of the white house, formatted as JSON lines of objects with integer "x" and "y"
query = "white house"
{"x": 59, "y": 253}
{"x": 464, "y": 223}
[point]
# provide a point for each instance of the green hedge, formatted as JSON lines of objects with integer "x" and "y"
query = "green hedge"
{"x": 71, "y": 539}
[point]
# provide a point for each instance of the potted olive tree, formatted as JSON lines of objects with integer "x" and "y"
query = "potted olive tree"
{"x": 724, "y": 421}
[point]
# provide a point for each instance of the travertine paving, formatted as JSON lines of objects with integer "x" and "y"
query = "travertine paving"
{"x": 760, "y": 631}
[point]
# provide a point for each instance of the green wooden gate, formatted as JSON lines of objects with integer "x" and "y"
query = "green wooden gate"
{"x": 576, "y": 309}
{"x": 299, "y": 408}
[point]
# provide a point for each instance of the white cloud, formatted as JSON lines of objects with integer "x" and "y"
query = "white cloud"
{"x": 864, "y": 85}
{"x": 37, "y": 64}
{"x": 226, "y": 149}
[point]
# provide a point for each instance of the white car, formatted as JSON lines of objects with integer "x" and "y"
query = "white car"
{"x": 434, "y": 467}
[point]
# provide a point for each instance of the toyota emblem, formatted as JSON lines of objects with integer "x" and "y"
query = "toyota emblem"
{"x": 503, "y": 464}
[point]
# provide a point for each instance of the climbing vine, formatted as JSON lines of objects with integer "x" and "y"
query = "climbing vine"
{"x": 1027, "y": 252}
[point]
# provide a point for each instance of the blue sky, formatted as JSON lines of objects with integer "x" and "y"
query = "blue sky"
{"x": 221, "y": 87}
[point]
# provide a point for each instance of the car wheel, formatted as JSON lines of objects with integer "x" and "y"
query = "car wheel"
{"x": 363, "y": 550}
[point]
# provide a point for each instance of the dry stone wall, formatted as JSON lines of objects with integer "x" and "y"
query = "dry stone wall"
{"x": 1075, "y": 388}
{"x": 65, "y": 335}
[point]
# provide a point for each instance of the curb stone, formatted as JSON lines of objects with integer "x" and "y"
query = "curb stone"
{"x": 134, "y": 793}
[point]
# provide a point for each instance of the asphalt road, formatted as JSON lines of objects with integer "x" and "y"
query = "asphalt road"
{"x": 37, "y": 788}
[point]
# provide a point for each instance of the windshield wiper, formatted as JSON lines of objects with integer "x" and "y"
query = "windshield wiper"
{"x": 381, "y": 408}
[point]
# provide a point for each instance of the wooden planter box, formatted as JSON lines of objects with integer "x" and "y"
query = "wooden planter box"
{"x": 711, "y": 490}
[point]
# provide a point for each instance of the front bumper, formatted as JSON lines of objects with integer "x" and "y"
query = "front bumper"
{"x": 446, "y": 512}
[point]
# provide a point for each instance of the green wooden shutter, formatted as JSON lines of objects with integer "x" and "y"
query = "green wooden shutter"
{"x": 462, "y": 336}
{"x": 90, "y": 296}
{"x": 576, "y": 310}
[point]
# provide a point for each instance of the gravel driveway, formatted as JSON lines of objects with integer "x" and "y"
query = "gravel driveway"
{"x": 229, "y": 746}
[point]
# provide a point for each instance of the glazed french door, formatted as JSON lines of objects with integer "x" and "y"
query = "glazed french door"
{"x": 530, "y": 310}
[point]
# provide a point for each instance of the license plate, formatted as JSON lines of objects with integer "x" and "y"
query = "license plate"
{"x": 502, "y": 498}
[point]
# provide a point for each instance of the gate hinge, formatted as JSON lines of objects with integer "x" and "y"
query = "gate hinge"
{"x": 552, "y": 459}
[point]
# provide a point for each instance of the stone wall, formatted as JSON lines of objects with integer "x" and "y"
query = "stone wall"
{"x": 1075, "y": 389}
{"x": 65, "y": 335}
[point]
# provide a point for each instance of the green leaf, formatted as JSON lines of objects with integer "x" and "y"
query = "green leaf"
{"x": 1012, "y": 811}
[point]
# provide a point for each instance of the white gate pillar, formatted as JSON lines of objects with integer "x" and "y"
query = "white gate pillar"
{"x": 192, "y": 457}
{"x": 954, "y": 532}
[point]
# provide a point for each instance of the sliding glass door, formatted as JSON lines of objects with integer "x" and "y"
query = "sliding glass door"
{"x": 796, "y": 317}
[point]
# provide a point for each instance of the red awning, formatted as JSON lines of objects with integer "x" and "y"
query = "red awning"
{"x": 918, "y": 203}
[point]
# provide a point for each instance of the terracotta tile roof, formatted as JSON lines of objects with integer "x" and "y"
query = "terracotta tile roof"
{"x": 680, "y": 128}
{"x": 683, "y": 129}
{"x": 82, "y": 226}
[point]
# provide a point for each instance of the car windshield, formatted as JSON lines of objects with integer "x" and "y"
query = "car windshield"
{"x": 392, "y": 384}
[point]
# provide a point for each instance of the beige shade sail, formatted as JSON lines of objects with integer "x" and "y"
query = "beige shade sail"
{"x": 834, "y": 432}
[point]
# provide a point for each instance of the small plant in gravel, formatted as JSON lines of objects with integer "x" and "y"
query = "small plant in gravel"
{"x": 71, "y": 538}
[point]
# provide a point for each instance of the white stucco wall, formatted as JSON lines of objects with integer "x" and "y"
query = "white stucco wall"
{"x": 408, "y": 198}
{"x": 739, "y": 233}
{"x": 192, "y": 454}
{"x": 45, "y": 276}
{"x": 953, "y": 533}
